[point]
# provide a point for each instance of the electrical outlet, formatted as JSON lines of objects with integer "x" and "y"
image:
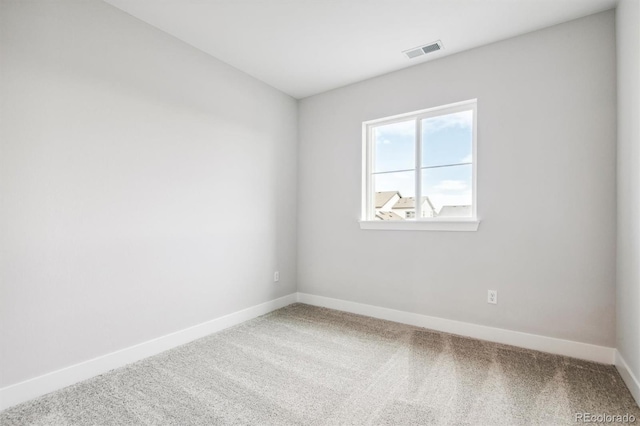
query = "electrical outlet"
{"x": 492, "y": 297}
{"x": 276, "y": 276}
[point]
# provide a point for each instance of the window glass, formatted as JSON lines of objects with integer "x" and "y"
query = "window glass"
{"x": 394, "y": 146}
{"x": 449, "y": 187}
{"x": 447, "y": 139}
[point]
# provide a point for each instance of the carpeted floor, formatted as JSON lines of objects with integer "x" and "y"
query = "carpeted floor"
{"x": 303, "y": 365}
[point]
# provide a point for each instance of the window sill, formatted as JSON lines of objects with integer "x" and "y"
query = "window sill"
{"x": 469, "y": 225}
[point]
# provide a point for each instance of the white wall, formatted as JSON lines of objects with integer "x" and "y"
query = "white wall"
{"x": 131, "y": 167}
{"x": 546, "y": 137}
{"x": 628, "y": 276}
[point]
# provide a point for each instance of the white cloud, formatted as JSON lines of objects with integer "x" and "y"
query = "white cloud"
{"x": 403, "y": 129}
{"x": 439, "y": 199}
{"x": 451, "y": 185}
{"x": 462, "y": 119}
{"x": 467, "y": 159}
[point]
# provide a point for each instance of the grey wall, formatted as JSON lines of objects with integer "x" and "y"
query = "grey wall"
{"x": 628, "y": 285}
{"x": 146, "y": 187}
{"x": 546, "y": 179}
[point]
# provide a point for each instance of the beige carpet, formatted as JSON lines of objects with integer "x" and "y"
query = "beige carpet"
{"x": 304, "y": 365}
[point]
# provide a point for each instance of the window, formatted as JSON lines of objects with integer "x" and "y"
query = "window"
{"x": 420, "y": 170}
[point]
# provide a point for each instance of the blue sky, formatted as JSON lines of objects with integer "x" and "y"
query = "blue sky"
{"x": 445, "y": 140}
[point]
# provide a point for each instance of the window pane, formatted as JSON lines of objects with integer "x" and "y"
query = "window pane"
{"x": 394, "y": 146}
{"x": 449, "y": 191}
{"x": 394, "y": 195}
{"x": 447, "y": 139}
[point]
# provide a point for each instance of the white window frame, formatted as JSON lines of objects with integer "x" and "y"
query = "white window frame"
{"x": 368, "y": 221}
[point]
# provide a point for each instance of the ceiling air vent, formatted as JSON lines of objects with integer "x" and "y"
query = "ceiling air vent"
{"x": 423, "y": 50}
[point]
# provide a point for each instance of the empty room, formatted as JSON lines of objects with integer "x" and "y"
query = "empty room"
{"x": 306, "y": 212}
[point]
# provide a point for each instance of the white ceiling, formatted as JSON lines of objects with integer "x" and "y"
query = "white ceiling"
{"x": 304, "y": 47}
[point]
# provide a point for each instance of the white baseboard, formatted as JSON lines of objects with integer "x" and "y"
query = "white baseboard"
{"x": 629, "y": 378}
{"x": 32, "y": 388}
{"x": 552, "y": 345}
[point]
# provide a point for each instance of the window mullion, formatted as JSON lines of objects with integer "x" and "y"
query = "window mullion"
{"x": 418, "y": 173}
